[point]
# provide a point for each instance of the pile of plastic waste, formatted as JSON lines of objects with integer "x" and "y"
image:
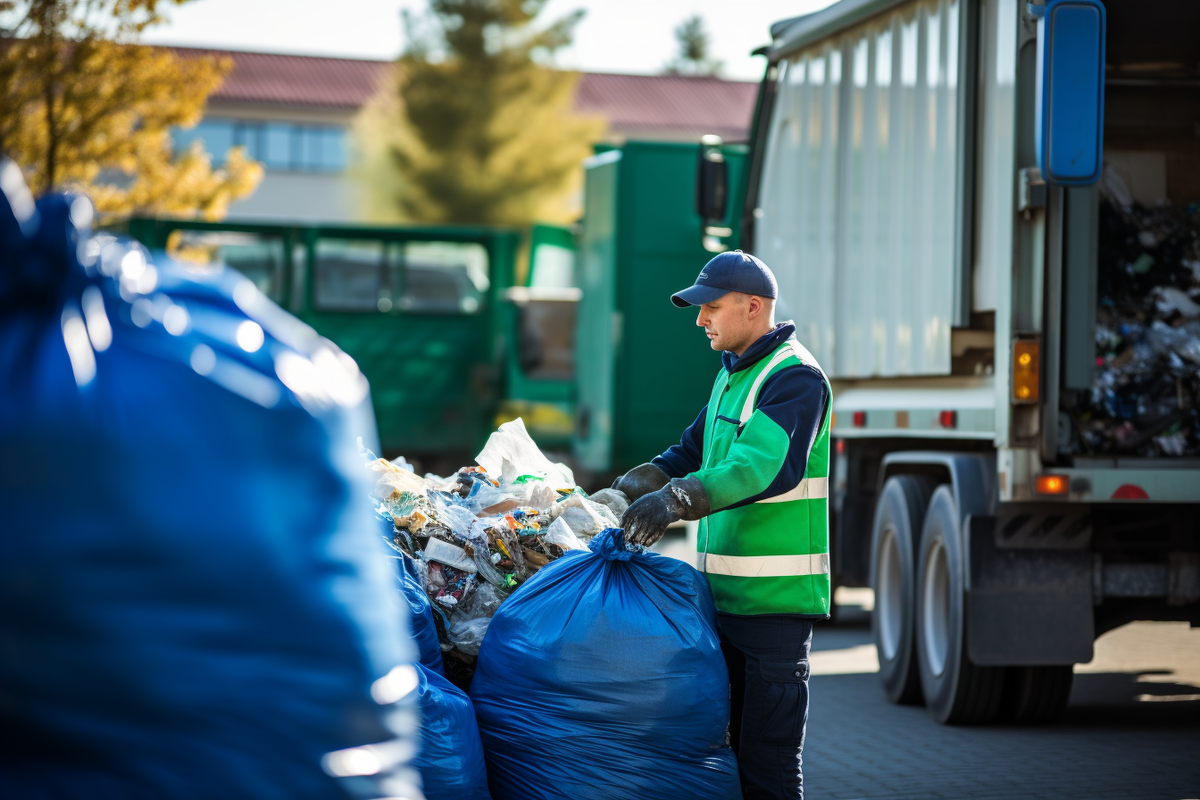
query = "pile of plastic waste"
{"x": 1145, "y": 399}
{"x": 477, "y": 535}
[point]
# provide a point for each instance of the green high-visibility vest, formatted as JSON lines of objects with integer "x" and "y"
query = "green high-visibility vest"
{"x": 771, "y": 556}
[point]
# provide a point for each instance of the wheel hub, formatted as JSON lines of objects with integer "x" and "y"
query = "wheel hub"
{"x": 935, "y": 615}
{"x": 890, "y": 599}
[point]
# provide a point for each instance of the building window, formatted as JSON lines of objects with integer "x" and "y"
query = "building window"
{"x": 216, "y": 134}
{"x": 276, "y": 140}
{"x": 283, "y": 146}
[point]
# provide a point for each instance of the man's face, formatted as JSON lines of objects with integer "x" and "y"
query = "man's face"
{"x": 726, "y": 322}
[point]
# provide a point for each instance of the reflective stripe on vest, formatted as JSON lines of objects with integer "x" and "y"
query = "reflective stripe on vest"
{"x": 764, "y": 566}
{"x": 807, "y": 489}
{"x": 789, "y": 349}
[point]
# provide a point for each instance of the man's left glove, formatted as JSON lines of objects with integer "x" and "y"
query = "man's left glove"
{"x": 646, "y": 520}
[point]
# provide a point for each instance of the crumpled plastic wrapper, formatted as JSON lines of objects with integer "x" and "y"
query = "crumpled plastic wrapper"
{"x": 585, "y": 517}
{"x": 615, "y": 499}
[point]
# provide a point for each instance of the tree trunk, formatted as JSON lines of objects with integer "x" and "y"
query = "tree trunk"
{"x": 51, "y": 135}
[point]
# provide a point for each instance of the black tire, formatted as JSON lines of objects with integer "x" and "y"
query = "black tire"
{"x": 894, "y": 538}
{"x": 1036, "y": 695}
{"x": 956, "y": 690}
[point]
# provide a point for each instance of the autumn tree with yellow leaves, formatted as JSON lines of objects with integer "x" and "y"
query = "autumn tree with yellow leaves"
{"x": 85, "y": 107}
{"x": 486, "y": 130}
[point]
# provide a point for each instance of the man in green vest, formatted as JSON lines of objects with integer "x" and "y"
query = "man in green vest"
{"x": 754, "y": 469}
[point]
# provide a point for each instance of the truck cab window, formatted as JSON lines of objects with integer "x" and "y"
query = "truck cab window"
{"x": 414, "y": 277}
{"x": 259, "y": 258}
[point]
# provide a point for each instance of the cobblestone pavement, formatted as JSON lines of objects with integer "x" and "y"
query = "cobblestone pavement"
{"x": 1131, "y": 730}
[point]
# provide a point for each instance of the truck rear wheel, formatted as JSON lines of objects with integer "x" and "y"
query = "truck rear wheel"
{"x": 1035, "y": 695}
{"x": 894, "y": 538}
{"x": 956, "y": 690}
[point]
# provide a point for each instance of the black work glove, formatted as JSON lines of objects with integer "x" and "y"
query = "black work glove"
{"x": 640, "y": 481}
{"x": 646, "y": 520}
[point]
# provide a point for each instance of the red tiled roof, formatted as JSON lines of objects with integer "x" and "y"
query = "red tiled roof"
{"x": 649, "y": 105}
{"x": 286, "y": 80}
{"x": 664, "y": 103}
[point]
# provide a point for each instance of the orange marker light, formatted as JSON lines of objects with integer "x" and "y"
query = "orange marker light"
{"x": 1026, "y": 371}
{"x": 1051, "y": 484}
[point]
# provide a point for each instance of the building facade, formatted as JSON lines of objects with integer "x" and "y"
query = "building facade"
{"x": 295, "y": 115}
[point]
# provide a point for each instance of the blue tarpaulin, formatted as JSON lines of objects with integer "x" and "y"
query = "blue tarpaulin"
{"x": 602, "y": 677}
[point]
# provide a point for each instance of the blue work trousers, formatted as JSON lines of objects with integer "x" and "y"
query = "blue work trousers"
{"x": 768, "y": 675}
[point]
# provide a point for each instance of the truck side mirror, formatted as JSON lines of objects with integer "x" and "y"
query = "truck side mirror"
{"x": 1069, "y": 114}
{"x": 712, "y": 181}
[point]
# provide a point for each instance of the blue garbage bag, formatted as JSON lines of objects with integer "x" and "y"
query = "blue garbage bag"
{"x": 451, "y": 758}
{"x": 196, "y": 602}
{"x": 602, "y": 677}
{"x": 424, "y": 629}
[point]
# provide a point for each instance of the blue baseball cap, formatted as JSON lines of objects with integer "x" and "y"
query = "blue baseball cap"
{"x": 733, "y": 271}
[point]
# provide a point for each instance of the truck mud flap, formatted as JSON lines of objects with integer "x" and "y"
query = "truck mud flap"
{"x": 1028, "y": 606}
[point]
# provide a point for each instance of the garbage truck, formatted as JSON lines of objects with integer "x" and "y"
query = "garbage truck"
{"x": 982, "y": 216}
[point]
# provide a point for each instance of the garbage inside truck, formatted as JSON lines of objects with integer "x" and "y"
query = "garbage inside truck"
{"x": 1145, "y": 397}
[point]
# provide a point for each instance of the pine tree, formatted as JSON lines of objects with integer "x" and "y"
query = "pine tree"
{"x": 693, "y": 57}
{"x": 84, "y": 107}
{"x": 486, "y": 133}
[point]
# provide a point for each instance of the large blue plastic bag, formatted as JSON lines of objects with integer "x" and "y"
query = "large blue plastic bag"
{"x": 451, "y": 758}
{"x": 424, "y": 629}
{"x": 602, "y": 677}
{"x": 196, "y": 603}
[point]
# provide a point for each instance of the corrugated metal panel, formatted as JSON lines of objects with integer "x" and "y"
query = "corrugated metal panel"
{"x": 997, "y": 148}
{"x": 857, "y": 205}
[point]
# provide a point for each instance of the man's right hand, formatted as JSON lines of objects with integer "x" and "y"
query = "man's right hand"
{"x": 641, "y": 481}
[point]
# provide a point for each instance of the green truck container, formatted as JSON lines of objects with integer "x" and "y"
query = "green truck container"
{"x": 426, "y": 312}
{"x": 644, "y": 370}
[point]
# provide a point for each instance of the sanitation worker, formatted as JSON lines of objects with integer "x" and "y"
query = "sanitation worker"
{"x": 753, "y": 468}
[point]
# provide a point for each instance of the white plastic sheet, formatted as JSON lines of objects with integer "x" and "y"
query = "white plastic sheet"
{"x": 513, "y": 456}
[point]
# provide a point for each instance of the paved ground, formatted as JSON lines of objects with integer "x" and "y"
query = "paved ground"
{"x": 1132, "y": 729}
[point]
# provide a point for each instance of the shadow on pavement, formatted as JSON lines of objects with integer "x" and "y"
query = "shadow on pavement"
{"x": 1118, "y": 699}
{"x": 860, "y": 746}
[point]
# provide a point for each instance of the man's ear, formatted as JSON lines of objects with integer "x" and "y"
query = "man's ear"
{"x": 756, "y": 306}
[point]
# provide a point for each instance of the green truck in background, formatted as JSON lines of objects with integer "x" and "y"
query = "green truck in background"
{"x": 421, "y": 309}
{"x": 644, "y": 369}
{"x": 461, "y": 328}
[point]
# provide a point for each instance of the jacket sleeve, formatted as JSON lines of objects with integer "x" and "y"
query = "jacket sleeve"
{"x": 683, "y": 458}
{"x": 770, "y": 455}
